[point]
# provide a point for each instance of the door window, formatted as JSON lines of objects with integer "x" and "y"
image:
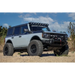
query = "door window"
{"x": 22, "y": 29}
{"x": 10, "y": 31}
{"x": 17, "y": 31}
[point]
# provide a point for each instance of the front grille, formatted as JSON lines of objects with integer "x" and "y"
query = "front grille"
{"x": 57, "y": 36}
{"x": 61, "y": 36}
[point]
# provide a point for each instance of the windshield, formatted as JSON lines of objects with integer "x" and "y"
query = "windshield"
{"x": 45, "y": 29}
{"x": 39, "y": 28}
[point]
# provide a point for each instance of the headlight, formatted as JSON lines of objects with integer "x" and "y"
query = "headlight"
{"x": 45, "y": 35}
{"x": 53, "y": 36}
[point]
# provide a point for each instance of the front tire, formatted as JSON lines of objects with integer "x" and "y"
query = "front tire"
{"x": 8, "y": 49}
{"x": 35, "y": 48}
{"x": 63, "y": 51}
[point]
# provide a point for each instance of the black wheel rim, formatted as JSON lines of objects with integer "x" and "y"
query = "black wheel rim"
{"x": 33, "y": 48}
{"x": 6, "y": 51}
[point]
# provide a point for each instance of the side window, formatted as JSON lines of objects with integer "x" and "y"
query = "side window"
{"x": 10, "y": 31}
{"x": 22, "y": 29}
{"x": 17, "y": 31}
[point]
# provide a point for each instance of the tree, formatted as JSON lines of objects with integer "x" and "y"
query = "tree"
{"x": 0, "y": 30}
{"x": 71, "y": 30}
{"x": 9, "y": 26}
{"x": 3, "y": 31}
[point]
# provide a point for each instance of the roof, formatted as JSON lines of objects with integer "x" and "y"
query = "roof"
{"x": 31, "y": 23}
{"x": 18, "y": 25}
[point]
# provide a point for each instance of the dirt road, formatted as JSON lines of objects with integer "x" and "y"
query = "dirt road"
{"x": 46, "y": 57}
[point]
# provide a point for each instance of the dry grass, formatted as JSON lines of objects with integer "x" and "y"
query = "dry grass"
{"x": 1, "y": 43}
{"x": 1, "y": 47}
{"x": 70, "y": 43}
{"x": 0, "y": 40}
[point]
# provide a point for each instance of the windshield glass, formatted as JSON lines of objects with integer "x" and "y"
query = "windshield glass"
{"x": 45, "y": 29}
{"x": 39, "y": 28}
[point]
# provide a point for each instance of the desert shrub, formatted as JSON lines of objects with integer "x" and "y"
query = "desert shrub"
{"x": 71, "y": 30}
{"x": 0, "y": 40}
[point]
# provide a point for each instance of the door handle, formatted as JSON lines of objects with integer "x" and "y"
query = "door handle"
{"x": 12, "y": 37}
{"x": 19, "y": 36}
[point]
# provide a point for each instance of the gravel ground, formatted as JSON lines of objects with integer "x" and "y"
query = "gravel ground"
{"x": 47, "y": 56}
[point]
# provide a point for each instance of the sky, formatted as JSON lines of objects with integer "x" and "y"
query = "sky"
{"x": 56, "y": 21}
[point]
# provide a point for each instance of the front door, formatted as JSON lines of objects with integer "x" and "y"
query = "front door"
{"x": 24, "y": 36}
{"x": 20, "y": 37}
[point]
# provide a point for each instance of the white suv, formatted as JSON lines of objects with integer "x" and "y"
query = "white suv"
{"x": 35, "y": 37}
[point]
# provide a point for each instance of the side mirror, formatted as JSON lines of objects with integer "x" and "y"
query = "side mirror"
{"x": 26, "y": 30}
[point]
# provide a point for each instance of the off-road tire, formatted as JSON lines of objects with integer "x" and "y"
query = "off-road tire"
{"x": 8, "y": 49}
{"x": 62, "y": 52}
{"x": 37, "y": 48}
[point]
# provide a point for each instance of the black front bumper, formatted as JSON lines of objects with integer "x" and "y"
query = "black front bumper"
{"x": 54, "y": 43}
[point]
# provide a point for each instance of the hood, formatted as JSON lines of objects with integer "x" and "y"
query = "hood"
{"x": 53, "y": 32}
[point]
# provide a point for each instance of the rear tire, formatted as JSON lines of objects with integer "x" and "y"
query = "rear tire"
{"x": 8, "y": 49}
{"x": 35, "y": 48}
{"x": 63, "y": 51}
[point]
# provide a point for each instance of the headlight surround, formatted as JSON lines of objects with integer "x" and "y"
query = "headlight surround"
{"x": 45, "y": 35}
